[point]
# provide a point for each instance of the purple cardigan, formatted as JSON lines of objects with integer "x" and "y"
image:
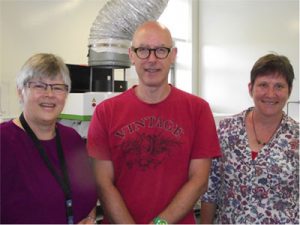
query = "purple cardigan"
{"x": 29, "y": 192}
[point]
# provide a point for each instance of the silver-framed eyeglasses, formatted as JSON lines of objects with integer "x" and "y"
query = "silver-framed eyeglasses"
{"x": 144, "y": 53}
{"x": 41, "y": 87}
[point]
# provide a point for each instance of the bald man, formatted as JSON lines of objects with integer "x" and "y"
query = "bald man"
{"x": 152, "y": 145}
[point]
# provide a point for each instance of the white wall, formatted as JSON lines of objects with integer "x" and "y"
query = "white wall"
{"x": 32, "y": 26}
{"x": 233, "y": 35}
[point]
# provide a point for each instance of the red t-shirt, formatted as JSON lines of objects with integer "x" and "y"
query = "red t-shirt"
{"x": 151, "y": 146}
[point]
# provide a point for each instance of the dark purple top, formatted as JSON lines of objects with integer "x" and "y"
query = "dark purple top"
{"x": 29, "y": 192}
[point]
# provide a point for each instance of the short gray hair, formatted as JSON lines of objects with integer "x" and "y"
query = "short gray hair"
{"x": 43, "y": 65}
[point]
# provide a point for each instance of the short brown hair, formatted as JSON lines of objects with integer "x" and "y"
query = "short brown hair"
{"x": 271, "y": 63}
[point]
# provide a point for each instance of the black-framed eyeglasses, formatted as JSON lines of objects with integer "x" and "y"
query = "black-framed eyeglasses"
{"x": 41, "y": 87}
{"x": 144, "y": 53}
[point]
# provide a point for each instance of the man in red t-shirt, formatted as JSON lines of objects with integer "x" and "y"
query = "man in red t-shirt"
{"x": 152, "y": 145}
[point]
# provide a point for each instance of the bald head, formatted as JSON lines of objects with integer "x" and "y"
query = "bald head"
{"x": 152, "y": 53}
{"x": 152, "y": 31}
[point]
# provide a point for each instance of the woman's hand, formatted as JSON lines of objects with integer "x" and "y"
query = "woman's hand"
{"x": 88, "y": 220}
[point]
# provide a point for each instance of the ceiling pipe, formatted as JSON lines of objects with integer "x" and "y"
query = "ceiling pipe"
{"x": 111, "y": 33}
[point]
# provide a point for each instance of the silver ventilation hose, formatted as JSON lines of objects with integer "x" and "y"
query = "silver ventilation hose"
{"x": 112, "y": 30}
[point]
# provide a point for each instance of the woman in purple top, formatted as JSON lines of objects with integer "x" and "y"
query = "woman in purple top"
{"x": 45, "y": 171}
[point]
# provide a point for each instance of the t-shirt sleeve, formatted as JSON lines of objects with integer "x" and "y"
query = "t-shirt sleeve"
{"x": 97, "y": 139}
{"x": 206, "y": 142}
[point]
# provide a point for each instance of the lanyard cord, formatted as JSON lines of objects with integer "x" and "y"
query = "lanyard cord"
{"x": 63, "y": 181}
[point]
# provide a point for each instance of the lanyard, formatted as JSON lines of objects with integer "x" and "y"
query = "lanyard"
{"x": 64, "y": 180}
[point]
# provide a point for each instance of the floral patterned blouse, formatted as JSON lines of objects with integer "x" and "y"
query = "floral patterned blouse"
{"x": 261, "y": 190}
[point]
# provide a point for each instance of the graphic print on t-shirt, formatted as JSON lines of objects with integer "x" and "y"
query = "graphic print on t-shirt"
{"x": 148, "y": 142}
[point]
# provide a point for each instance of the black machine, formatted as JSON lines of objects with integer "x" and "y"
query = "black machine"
{"x": 94, "y": 79}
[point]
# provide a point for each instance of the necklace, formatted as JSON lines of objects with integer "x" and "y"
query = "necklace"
{"x": 257, "y": 140}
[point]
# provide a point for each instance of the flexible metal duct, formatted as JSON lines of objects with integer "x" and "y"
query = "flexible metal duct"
{"x": 112, "y": 30}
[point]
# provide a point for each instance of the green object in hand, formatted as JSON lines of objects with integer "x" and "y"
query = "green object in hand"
{"x": 158, "y": 220}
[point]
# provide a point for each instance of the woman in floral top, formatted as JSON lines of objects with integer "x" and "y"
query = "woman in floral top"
{"x": 257, "y": 178}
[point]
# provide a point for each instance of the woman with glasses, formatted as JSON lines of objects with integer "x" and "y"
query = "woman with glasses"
{"x": 45, "y": 171}
{"x": 152, "y": 145}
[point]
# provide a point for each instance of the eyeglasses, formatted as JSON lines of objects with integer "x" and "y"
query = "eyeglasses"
{"x": 144, "y": 53}
{"x": 41, "y": 87}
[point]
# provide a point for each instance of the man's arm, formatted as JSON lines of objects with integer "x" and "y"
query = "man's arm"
{"x": 207, "y": 213}
{"x": 189, "y": 194}
{"x": 110, "y": 198}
